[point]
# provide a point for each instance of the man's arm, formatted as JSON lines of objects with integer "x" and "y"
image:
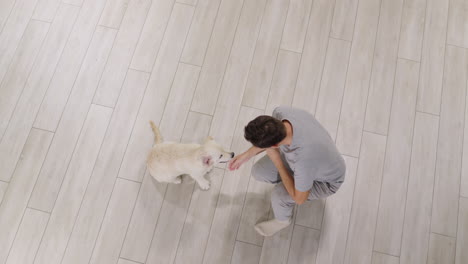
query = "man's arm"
{"x": 253, "y": 151}
{"x": 287, "y": 179}
{"x": 238, "y": 160}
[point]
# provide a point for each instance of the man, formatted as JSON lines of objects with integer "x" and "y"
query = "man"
{"x": 302, "y": 160}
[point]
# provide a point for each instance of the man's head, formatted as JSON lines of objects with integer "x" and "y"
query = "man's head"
{"x": 265, "y": 131}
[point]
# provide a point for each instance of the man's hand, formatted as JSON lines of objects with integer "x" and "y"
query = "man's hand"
{"x": 238, "y": 160}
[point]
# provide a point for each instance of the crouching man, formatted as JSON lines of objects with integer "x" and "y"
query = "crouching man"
{"x": 302, "y": 160}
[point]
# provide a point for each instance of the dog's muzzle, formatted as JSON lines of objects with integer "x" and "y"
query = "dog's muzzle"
{"x": 232, "y": 156}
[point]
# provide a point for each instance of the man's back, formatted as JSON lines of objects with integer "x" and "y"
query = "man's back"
{"x": 312, "y": 155}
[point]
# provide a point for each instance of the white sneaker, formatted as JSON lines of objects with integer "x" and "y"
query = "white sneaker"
{"x": 271, "y": 227}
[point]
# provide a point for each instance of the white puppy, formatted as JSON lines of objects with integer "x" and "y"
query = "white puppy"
{"x": 168, "y": 161}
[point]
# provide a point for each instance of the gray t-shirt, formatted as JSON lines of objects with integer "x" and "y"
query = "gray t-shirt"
{"x": 312, "y": 155}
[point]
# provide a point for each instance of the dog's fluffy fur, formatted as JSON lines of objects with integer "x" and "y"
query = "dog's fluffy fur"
{"x": 168, "y": 161}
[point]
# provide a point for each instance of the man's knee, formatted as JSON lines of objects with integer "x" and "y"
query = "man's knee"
{"x": 259, "y": 173}
{"x": 281, "y": 196}
{"x": 256, "y": 171}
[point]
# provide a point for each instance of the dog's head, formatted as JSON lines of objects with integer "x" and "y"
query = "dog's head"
{"x": 213, "y": 153}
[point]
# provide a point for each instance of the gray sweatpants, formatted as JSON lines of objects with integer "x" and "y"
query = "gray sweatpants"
{"x": 282, "y": 203}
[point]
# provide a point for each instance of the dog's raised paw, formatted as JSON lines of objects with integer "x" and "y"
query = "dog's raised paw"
{"x": 204, "y": 186}
{"x": 177, "y": 180}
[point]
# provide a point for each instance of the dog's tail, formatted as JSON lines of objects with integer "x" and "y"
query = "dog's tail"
{"x": 157, "y": 134}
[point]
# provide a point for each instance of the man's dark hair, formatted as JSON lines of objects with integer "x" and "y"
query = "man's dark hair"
{"x": 265, "y": 131}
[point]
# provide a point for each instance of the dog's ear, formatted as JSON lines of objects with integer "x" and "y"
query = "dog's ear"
{"x": 208, "y": 138}
{"x": 207, "y": 160}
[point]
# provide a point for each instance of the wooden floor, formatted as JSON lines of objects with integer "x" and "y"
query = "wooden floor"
{"x": 80, "y": 79}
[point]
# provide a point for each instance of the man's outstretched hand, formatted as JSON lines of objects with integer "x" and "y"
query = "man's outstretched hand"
{"x": 238, "y": 160}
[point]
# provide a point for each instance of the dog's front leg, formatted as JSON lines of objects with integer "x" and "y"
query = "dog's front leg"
{"x": 202, "y": 182}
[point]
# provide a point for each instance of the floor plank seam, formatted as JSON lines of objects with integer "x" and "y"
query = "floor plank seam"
{"x": 383, "y": 253}
{"x": 335, "y": 38}
{"x": 456, "y": 46}
{"x": 422, "y": 112}
{"x": 39, "y": 210}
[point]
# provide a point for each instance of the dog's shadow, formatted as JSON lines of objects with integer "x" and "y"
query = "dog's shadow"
{"x": 180, "y": 196}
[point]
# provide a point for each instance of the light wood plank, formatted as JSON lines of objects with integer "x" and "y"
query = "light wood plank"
{"x": 176, "y": 202}
{"x": 105, "y": 171}
{"x": 383, "y": 67}
{"x": 200, "y": 32}
{"x": 120, "y": 57}
{"x": 178, "y": 103}
{"x": 432, "y": 61}
{"x": 276, "y": 248}
{"x": 73, "y": 188}
{"x": 462, "y": 232}
{"x": 28, "y": 237}
{"x": 296, "y": 25}
{"x": 397, "y": 160}
{"x": 13, "y": 30}
{"x": 412, "y": 29}
{"x": 441, "y": 249}
{"x": 344, "y": 18}
{"x": 57, "y": 160}
{"x": 228, "y": 103}
{"x": 464, "y": 169}
{"x": 19, "y": 190}
{"x": 217, "y": 56}
{"x": 304, "y": 245}
{"x": 115, "y": 223}
{"x": 357, "y": 80}
{"x": 113, "y": 13}
{"x": 46, "y": 10}
{"x": 310, "y": 214}
{"x": 5, "y": 10}
{"x": 246, "y": 253}
{"x": 188, "y": 2}
{"x": 3, "y": 189}
{"x": 152, "y": 108}
{"x": 73, "y": 58}
{"x": 196, "y": 128}
{"x": 366, "y": 200}
{"x": 225, "y": 224}
{"x": 143, "y": 223}
{"x": 457, "y": 23}
{"x": 284, "y": 77}
{"x": 256, "y": 209}
{"x": 19, "y": 69}
{"x": 265, "y": 56}
{"x": 196, "y": 230}
{"x": 416, "y": 228}
{"x": 170, "y": 222}
{"x": 450, "y": 145}
{"x": 379, "y": 258}
{"x": 152, "y": 35}
{"x": 73, "y": 2}
{"x": 336, "y": 218}
{"x": 36, "y": 86}
{"x": 313, "y": 56}
{"x": 332, "y": 86}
